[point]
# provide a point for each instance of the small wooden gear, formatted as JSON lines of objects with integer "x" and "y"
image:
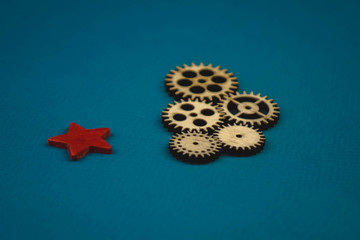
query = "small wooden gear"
{"x": 200, "y": 82}
{"x": 190, "y": 115}
{"x": 196, "y": 148}
{"x": 240, "y": 140}
{"x": 249, "y": 109}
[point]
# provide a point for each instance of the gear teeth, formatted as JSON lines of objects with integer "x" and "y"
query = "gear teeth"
{"x": 187, "y": 122}
{"x": 219, "y": 102}
{"x": 248, "y": 145}
{"x": 180, "y": 91}
{"x": 205, "y": 150}
{"x": 262, "y": 122}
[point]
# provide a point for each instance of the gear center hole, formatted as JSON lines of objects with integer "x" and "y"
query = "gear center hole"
{"x": 248, "y": 107}
{"x": 193, "y": 114}
{"x": 201, "y": 80}
{"x": 195, "y": 143}
{"x": 238, "y": 135}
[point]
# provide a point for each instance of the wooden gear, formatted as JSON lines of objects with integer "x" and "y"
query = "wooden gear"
{"x": 240, "y": 140}
{"x": 195, "y": 147}
{"x": 200, "y": 82}
{"x": 249, "y": 109}
{"x": 190, "y": 115}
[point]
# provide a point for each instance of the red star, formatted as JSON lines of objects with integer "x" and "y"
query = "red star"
{"x": 80, "y": 141}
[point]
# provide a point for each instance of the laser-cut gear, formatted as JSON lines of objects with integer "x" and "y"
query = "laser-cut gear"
{"x": 190, "y": 115}
{"x": 252, "y": 110}
{"x": 240, "y": 140}
{"x": 196, "y": 148}
{"x": 200, "y": 82}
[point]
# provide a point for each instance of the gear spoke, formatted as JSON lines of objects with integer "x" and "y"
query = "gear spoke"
{"x": 239, "y": 114}
{"x": 263, "y": 115}
{"x": 235, "y": 102}
{"x": 262, "y": 121}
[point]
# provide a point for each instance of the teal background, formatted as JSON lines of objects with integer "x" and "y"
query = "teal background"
{"x": 102, "y": 64}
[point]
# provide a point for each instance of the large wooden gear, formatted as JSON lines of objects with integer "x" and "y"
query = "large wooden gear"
{"x": 200, "y": 82}
{"x": 249, "y": 109}
{"x": 196, "y": 148}
{"x": 190, "y": 115}
{"x": 240, "y": 140}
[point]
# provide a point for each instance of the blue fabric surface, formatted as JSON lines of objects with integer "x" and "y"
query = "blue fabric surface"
{"x": 102, "y": 64}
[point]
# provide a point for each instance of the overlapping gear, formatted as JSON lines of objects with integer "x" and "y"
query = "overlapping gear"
{"x": 212, "y": 117}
